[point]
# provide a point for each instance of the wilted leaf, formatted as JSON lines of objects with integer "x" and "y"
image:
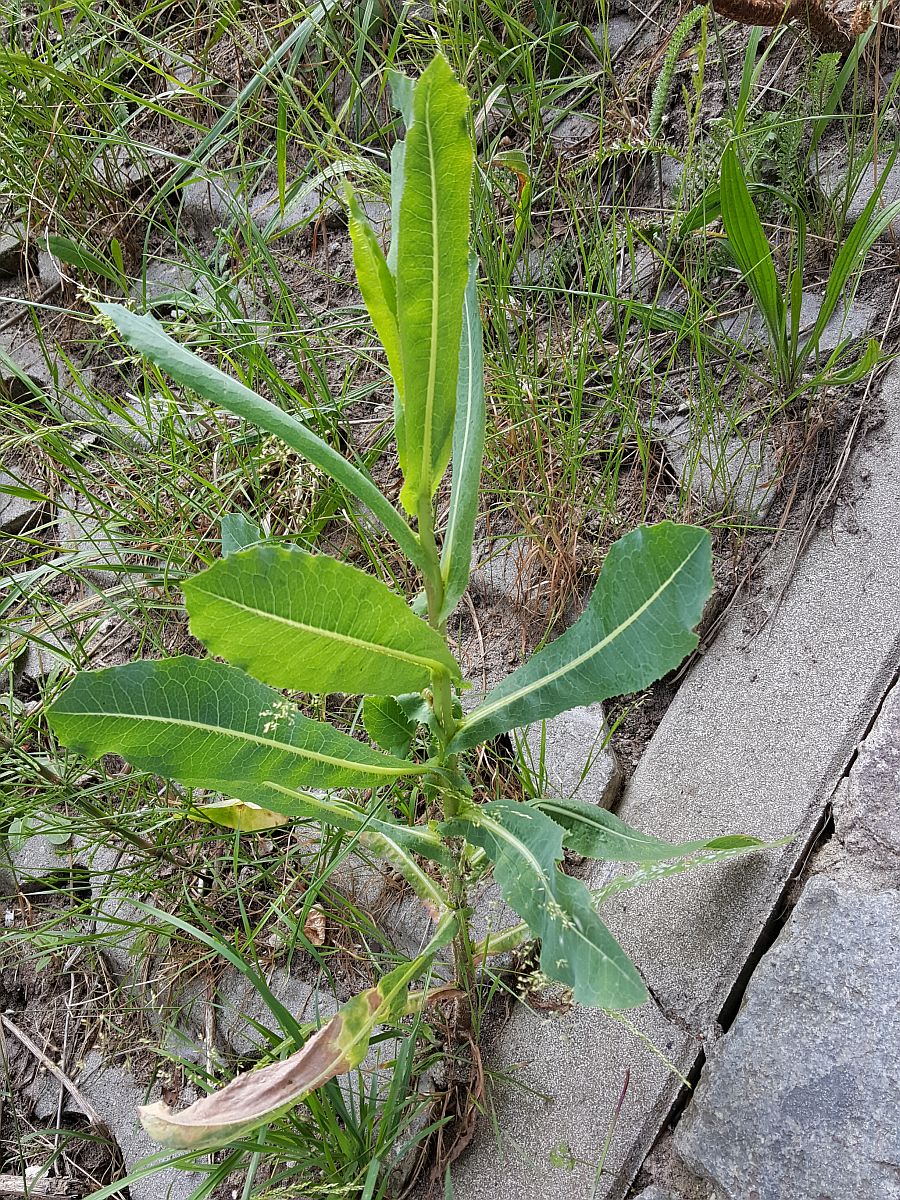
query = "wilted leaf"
{"x": 258, "y": 1097}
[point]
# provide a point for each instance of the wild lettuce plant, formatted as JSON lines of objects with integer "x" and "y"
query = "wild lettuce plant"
{"x": 285, "y": 620}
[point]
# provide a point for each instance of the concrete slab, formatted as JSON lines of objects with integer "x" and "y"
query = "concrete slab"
{"x": 756, "y": 740}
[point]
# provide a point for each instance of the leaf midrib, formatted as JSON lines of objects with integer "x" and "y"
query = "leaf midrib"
{"x": 573, "y": 923}
{"x": 502, "y": 702}
{"x": 429, "y": 664}
{"x": 254, "y": 738}
{"x": 425, "y": 477}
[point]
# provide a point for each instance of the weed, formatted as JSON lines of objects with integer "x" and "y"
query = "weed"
{"x": 288, "y": 619}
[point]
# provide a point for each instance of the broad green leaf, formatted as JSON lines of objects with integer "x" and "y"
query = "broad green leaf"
{"x": 147, "y": 336}
{"x": 595, "y": 833}
{"x": 235, "y": 814}
{"x": 637, "y": 626}
{"x": 257, "y": 1097}
{"x": 365, "y": 824}
{"x": 310, "y": 623}
{"x": 379, "y": 290}
{"x": 208, "y": 725}
{"x": 432, "y": 270}
{"x": 238, "y": 532}
{"x": 750, "y": 248}
{"x": 468, "y": 452}
{"x": 388, "y": 725}
{"x": 576, "y": 947}
{"x": 867, "y": 229}
{"x": 717, "y": 850}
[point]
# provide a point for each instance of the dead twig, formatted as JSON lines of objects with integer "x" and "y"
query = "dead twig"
{"x": 83, "y": 1103}
{"x": 41, "y": 1189}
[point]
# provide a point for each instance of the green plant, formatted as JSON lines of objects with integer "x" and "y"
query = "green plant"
{"x": 288, "y": 619}
{"x": 781, "y": 308}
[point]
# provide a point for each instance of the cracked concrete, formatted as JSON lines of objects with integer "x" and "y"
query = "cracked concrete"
{"x": 728, "y": 757}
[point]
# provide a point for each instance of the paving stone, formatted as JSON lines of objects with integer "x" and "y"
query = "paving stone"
{"x": 24, "y": 368}
{"x": 116, "y": 1096}
{"x": 799, "y": 1099}
{"x": 239, "y": 1005}
{"x": 756, "y": 740}
{"x": 851, "y": 321}
{"x": 569, "y": 753}
{"x": 165, "y": 284}
{"x": 18, "y": 514}
{"x": 619, "y": 31}
{"x": 50, "y": 270}
{"x": 91, "y": 538}
{"x": 308, "y": 205}
{"x": 501, "y": 572}
{"x": 833, "y": 181}
{"x": 724, "y": 471}
{"x": 867, "y": 805}
{"x": 17, "y": 254}
{"x": 572, "y": 132}
{"x": 42, "y": 868}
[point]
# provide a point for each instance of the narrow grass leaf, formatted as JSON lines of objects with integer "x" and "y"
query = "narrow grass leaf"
{"x": 255, "y": 1098}
{"x": 208, "y": 725}
{"x": 432, "y": 270}
{"x": 310, "y": 623}
{"x": 576, "y": 947}
{"x": 468, "y": 452}
{"x": 145, "y": 334}
{"x": 638, "y": 625}
{"x": 750, "y": 248}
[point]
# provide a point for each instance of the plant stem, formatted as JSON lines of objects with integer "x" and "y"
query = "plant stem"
{"x": 463, "y": 964}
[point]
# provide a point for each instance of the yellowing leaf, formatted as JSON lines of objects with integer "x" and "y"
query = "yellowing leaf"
{"x": 235, "y": 814}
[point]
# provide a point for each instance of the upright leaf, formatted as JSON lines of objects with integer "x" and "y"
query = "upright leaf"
{"x": 576, "y": 947}
{"x": 379, "y": 291}
{"x": 637, "y": 626}
{"x": 310, "y": 623}
{"x": 147, "y": 336}
{"x": 208, "y": 725}
{"x": 432, "y": 269}
{"x": 595, "y": 833}
{"x": 258, "y": 1097}
{"x": 750, "y": 248}
{"x": 468, "y": 452}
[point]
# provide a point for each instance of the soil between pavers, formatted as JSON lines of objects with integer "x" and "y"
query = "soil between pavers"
{"x": 756, "y": 740}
